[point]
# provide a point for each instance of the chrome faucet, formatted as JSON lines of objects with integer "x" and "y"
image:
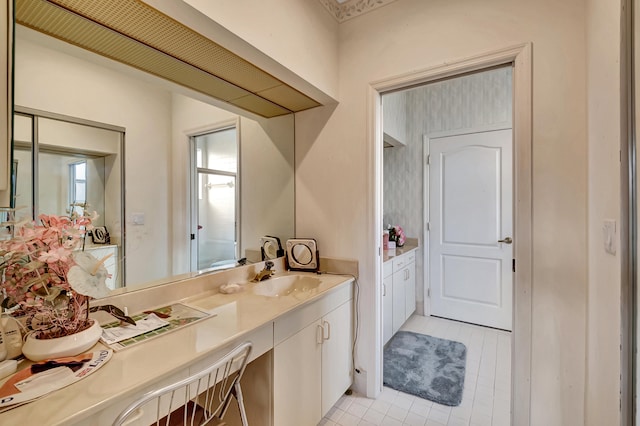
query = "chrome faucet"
{"x": 266, "y": 272}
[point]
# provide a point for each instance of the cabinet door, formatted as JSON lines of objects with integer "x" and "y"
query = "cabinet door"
{"x": 399, "y": 302}
{"x": 410, "y": 290}
{"x": 297, "y": 378}
{"x": 387, "y": 309}
{"x": 336, "y": 355}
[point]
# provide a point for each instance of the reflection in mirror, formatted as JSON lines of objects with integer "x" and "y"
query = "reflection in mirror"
{"x": 216, "y": 155}
{"x": 158, "y": 119}
{"x": 302, "y": 254}
{"x": 64, "y": 166}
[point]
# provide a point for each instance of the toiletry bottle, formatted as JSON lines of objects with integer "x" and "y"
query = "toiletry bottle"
{"x": 3, "y": 345}
{"x": 11, "y": 335}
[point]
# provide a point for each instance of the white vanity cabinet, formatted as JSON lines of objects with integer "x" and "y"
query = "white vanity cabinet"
{"x": 402, "y": 282}
{"x": 297, "y": 376}
{"x": 387, "y": 302}
{"x": 409, "y": 277}
{"x": 337, "y": 341}
{"x": 300, "y": 364}
{"x": 312, "y": 359}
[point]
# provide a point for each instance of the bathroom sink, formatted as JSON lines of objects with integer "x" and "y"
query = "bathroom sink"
{"x": 286, "y": 285}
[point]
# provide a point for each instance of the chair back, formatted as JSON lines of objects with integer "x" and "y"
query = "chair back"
{"x": 197, "y": 400}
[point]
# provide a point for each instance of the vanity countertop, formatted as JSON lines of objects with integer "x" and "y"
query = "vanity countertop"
{"x": 132, "y": 369}
{"x": 388, "y": 255}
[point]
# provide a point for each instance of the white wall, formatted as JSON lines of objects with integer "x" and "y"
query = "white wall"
{"x": 267, "y": 180}
{"x": 299, "y": 34}
{"x": 334, "y": 162}
{"x": 602, "y": 400}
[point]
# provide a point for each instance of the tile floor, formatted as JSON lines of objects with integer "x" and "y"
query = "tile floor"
{"x": 486, "y": 399}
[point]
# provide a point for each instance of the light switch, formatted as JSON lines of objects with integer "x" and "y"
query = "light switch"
{"x": 609, "y": 235}
{"x": 137, "y": 218}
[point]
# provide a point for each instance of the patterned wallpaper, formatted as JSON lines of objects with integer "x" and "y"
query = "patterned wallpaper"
{"x": 463, "y": 103}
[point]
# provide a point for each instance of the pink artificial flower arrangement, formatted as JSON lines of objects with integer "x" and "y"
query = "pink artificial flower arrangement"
{"x": 396, "y": 233}
{"x": 48, "y": 278}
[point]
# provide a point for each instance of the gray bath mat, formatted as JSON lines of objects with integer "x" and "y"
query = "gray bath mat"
{"x": 425, "y": 366}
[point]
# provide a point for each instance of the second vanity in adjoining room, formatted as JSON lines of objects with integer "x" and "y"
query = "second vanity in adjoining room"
{"x": 300, "y": 364}
{"x": 398, "y": 287}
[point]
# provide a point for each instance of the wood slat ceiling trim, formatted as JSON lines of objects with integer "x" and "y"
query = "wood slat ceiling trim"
{"x": 131, "y": 32}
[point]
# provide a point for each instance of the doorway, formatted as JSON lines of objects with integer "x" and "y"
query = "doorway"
{"x": 521, "y": 59}
{"x": 451, "y": 193}
{"x": 215, "y": 196}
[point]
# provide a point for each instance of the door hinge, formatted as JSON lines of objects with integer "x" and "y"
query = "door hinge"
{"x": 428, "y": 226}
{"x": 428, "y": 293}
{"x": 193, "y": 236}
{"x": 428, "y": 159}
{"x": 513, "y": 265}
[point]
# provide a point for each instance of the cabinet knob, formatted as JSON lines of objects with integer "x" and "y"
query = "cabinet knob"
{"x": 328, "y": 330}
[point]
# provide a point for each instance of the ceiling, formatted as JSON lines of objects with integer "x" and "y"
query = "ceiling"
{"x": 343, "y": 10}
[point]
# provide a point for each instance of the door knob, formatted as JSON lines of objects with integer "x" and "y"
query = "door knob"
{"x": 507, "y": 240}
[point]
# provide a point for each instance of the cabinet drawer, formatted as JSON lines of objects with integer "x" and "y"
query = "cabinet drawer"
{"x": 410, "y": 257}
{"x": 403, "y": 260}
{"x": 295, "y": 321}
{"x": 399, "y": 262}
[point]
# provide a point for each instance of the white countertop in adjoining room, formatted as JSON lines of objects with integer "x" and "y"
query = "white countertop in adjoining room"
{"x": 132, "y": 369}
{"x": 388, "y": 255}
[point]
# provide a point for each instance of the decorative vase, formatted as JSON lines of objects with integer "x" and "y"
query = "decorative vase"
{"x": 74, "y": 344}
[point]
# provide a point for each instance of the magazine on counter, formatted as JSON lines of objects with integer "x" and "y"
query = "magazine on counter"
{"x": 42, "y": 378}
{"x": 149, "y": 324}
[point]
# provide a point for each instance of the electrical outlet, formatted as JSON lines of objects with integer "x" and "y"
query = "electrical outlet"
{"x": 360, "y": 381}
{"x": 137, "y": 218}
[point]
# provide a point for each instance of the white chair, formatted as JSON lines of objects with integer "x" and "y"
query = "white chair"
{"x": 201, "y": 399}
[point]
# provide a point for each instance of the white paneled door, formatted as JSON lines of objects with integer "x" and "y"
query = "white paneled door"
{"x": 471, "y": 227}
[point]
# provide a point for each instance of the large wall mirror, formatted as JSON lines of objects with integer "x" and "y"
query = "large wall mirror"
{"x": 148, "y": 205}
